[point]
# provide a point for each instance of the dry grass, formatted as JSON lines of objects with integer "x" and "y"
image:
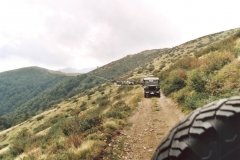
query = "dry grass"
{"x": 86, "y": 148}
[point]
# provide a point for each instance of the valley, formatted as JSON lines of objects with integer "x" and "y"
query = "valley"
{"x": 88, "y": 116}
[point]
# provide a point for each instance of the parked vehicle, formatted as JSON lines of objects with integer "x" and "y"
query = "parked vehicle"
{"x": 130, "y": 82}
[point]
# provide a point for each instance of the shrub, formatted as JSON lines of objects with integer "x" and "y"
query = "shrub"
{"x": 175, "y": 81}
{"x": 151, "y": 68}
{"x": 19, "y": 144}
{"x": 181, "y": 95}
{"x": 40, "y": 118}
{"x": 90, "y": 150}
{"x": 215, "y": 61}
{"x": 115, "y": 113}
{"x": 110, "y": 125}
{"x": 194, "y": 101}
{"x": 83, "y": 104}
{"x": 80, "y": 124}
{"x": 196, "y": 81}
{"x": 206, "y": 50}
{"x": 186, "y": 63}
{"x": 161, "y": 66}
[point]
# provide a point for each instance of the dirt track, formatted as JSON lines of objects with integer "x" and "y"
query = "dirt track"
{"x": 151, "y": 121}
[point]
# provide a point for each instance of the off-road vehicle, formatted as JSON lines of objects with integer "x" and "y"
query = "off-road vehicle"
{"x": 151, "y": 86}
{"x": 130, "y": 82}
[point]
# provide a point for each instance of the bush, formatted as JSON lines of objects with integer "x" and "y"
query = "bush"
{"x": 40, "y": 118}
{"x": 151, "y": 68}
{"x": 196, "y": 81}
{"x": 194, "y": 101}
{"x": 110, "y": 125}
{"x": 80, "y": 124}
{"x": 114, "y": 114}
{"x": 19, "y": 144}
{"x": 174, "y": 82}
{"x": 216, "y": 61}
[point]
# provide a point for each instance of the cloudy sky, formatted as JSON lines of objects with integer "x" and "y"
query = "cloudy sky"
{"x": 57, "y": 34}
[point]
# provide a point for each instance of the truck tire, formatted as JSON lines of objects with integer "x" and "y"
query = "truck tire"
{"x": 211, "y": 132}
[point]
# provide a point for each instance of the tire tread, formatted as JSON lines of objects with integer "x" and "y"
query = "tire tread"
{"x": 188, "y": 138}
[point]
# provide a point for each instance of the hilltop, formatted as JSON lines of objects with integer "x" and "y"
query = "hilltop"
{"x": 85, "y": 113}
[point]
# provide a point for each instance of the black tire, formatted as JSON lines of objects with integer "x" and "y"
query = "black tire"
{"x": 208, "y": 133}
{"x": 145, "y": 95}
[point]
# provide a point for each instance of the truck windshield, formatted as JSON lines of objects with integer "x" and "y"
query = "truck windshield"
{"x": 151, "y": 82}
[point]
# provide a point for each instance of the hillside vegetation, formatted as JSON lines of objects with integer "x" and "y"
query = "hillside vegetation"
{"x": 163, "y": 61}
{"x": 211, "y": 73}
{"x": 79, "y": 116}
{"x": 37, "y": 98}
{"x": 79, "y": 128}
{"x": 19, "y": 86}
{"x": 30, "y": 91}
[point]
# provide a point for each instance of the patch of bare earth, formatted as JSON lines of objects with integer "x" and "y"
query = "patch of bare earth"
{"x": 151, "y": 121}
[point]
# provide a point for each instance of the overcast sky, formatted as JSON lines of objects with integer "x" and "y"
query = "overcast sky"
{"x": 57, "y": 34}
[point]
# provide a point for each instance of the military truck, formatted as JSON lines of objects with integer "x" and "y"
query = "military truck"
{"x": 151, "y": 86}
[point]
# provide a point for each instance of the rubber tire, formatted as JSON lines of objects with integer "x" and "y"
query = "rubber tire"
{"x": 145, "y": 95}
{"x": 211, "y": 132}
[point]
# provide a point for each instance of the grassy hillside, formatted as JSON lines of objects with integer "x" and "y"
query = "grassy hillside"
{"x": 211, "y": 73}
{"x": 120, "y": 67}
{"x": 79, "y": 128}
{"x": 40, "y": 98}
{"x": 164, "y": 60}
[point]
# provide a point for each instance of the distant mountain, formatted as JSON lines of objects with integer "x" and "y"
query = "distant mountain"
{"x": 73, "y": 70}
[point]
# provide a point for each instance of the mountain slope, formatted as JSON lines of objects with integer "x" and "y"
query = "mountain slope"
{"x": 210, "y": 74}
{"x": 40, "y": 99}
{"x": 128, "y": 63}
{"x": 19, "y": 86}
{"x": 83, "y": 124}
{"x": 135, "y": 66}
{"x": 163, "y": 61}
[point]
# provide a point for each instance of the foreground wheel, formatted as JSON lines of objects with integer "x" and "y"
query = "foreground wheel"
{"x": 208, "y": 133}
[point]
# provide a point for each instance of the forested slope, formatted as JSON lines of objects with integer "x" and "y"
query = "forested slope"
{"x": 19, "y": 86}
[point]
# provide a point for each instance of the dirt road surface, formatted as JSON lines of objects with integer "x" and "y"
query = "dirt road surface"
{"x": 151, "y": 122}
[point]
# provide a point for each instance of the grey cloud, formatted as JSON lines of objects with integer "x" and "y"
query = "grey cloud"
{"x": 129, "y": 29}
{"x": 132, "y": 30}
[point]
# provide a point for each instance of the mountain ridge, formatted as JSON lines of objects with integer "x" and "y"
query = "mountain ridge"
{"x": 82, "y": 114}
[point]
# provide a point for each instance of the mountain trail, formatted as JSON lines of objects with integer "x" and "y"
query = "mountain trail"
{"x": 151, "y": 122}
